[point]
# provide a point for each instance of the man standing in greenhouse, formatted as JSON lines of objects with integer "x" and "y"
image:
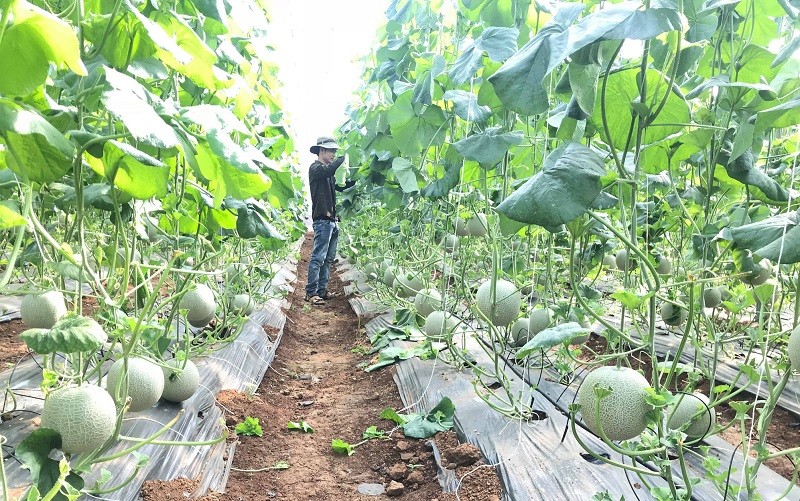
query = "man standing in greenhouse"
{"x": 325, "y": 221}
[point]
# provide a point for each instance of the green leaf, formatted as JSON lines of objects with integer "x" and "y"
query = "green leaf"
{"x": 519, "y": 82}
{"x": 392, "y": 415}
{"x": 439, "y": 188}
{"x": 36, "y": 151}
{"x": 498, "y": 43}
{"x": 404, "y": 171}
{"x": 566, "y": 188}
{"x": 34, "y": 451}
{"x": 631, "y": 300}
{"x": 9, "y": 217}
{"x": 133, "y": 171}
{"x": 743, "y": 169}
{"x": 552, "y": 336}
{"x": 35, "y": 39}
{"x": 415, "y": 128}
{"x": 200, "y": 66}
{"x": 250, "y": 426}
{"x": 488, "y": 147}
{"x": 424, "y": 87}
{"x": 301, "y": 426}
{"x": 226, "y": 180}
{"x": 373, "y": 432}
{"x": 440, "y": 418}
{"x": 71, "y": 334}
{"x": 135, "y": 107}
{"x": 465, "y": 106}
{"x": 250, "y": 223}
{"x": 339, "y": 446}
{"x": 776, "y": 238}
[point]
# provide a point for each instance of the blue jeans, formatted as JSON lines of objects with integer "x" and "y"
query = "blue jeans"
{"x": 326, "y": 238}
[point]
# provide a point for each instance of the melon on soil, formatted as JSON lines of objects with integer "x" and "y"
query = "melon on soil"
{"x": 84, "y": 416}
{"x": 623, "y": 413}
{"x": 145, "y": 382}
{"x": 180, "y": 385}
{"x": 689, "y": 405}
{"x": 427, "y": 301}
{"x": 503, "y": 308}
{"x": 199, "y": 304}
{"x": 42, "y": 311}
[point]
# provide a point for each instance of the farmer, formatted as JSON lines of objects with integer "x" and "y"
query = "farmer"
{"x": 323, "y": 213}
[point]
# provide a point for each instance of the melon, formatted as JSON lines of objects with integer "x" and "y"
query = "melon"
{"x": 623, "y": 413}
{"x": 450, "y": 243}
{"x": 623, "y": 261}
{"x": 760, "y": 276}
{"x": 427, "y": 301}
{"x": 520, "y": 333}
{"x": 439, "y": 325}
{"x": 673, "y": 314}
{"x": 235, "y": 273}
{"x": 389, "y": 276}
{"x": 43, "y": 310}
{"x": 145, "y": 382}
{"x": 199, "y": 304}
{"x": 180, "y": 384}
{"x": 793, "y": 348}
{"x": 460, "y": 227}
{"x": 241, "y": 304}
{"x": 504, "y": 307}
{"x": 688, "y": 405}
{"x": 540, "y": 319}
{"x": 408, "y": 284}
{"x": 712, "y": 297}
{"x": 477, "y": 226}
{"x": 84, "y": 416}
{"x": 663, "y": 266}
{"x": 609, "y": 261}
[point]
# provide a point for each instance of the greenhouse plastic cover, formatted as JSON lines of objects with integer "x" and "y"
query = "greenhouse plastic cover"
{"x": 240, "y": 366}
{"x": 531, "y": 460}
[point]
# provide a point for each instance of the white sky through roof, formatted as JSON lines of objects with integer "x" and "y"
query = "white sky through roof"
{"x": 317, "y": 45}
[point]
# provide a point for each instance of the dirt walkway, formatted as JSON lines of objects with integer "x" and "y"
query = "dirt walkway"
{"x": 315, "y": 378}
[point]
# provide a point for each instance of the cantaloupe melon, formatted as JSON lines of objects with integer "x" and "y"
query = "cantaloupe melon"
{"x": 689, "y": 405}
{"x": 539, "y": 320}
{"x": 408, "y": 284}
{"x": 145, "y": 382}
{"x": 663, "y": 265}
{"x": 477, "y": 226}
{"x": 241, "y": 304}
{"x": 624, "y": 261}
{"x": 427, "y": 301}
{"x": 519, "y": 331}
{"x": 712, "y": 297}
{"x": 460, "y": 227}
{"x": 84, "y": 416}
{"x": 503, "y": 308}
{"x": 43, "y": 310}
{"x": 673, "y": 314}
{"x": 180, "y": 385}
{"x": 199, "y": 304}
{"x": 450, "y": 243}
{"x": 793, "y": 348}
{"x": 760, "y": 276}
{"x": 623, "y": 413}
{"x": 439, "y": 325}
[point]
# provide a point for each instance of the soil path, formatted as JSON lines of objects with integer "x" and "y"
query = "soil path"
{"x": 317, "y": 378}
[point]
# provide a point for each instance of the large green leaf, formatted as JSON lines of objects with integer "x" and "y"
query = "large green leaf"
{"x": 776, "y": 238}
{"x": 71, "y": 334}
{"x": 226, "y": 180}
{"x": 552, "y": 336}
{"x": 251, "y": 222}
{"x": 491, "y": 12}
{"x": 423, "y": 89}
{"x": 415, "y": 128}
{"x": 404, "y": 172}
{"x": 566, "y": 187}
{"x": 498, "y": 43}
{"x": 35, "y": 39}
{"x": 744, "y": 170}
{"x": 441, "y": 187}
{"x": 622, "y": 104}
{"x": 9, "y": 217}
{"x": 37, "y": 151}
{"x": 465, "y": 105}
{"x": 783, "y": 115}
{"x": 488, "y": 147}
{"x": 34, "y": 453}
{"x": 132, "y": 104}
{"x": 124, "y": 39}
{"x": 132, "y": 171}
{"x": 440, "y": 418}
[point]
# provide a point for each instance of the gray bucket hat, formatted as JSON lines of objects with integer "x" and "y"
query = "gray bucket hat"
{"x": 324, "y": 142}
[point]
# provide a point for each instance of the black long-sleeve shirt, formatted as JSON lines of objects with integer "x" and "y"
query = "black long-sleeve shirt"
{"x": 323, "y": 189}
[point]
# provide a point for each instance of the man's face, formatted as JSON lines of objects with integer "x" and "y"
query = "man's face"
{"x": 326, "y": 155}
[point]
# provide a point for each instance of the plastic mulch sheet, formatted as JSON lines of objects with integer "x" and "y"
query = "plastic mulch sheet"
{"x": 240, "y": 366}
{"x": 532, "y": 461}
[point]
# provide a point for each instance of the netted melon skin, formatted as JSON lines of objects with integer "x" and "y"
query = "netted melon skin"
{"x": 84, "y": 416}
{"x": 145, "y": 382}
{"x": 505, "y": 307}
{"x": 623, "y": 413}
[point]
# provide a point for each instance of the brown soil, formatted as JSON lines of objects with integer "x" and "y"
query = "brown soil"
{"x": 783, "y": 431}
{"x": 315, "y": 378}
{"x": 12, "y": 349}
